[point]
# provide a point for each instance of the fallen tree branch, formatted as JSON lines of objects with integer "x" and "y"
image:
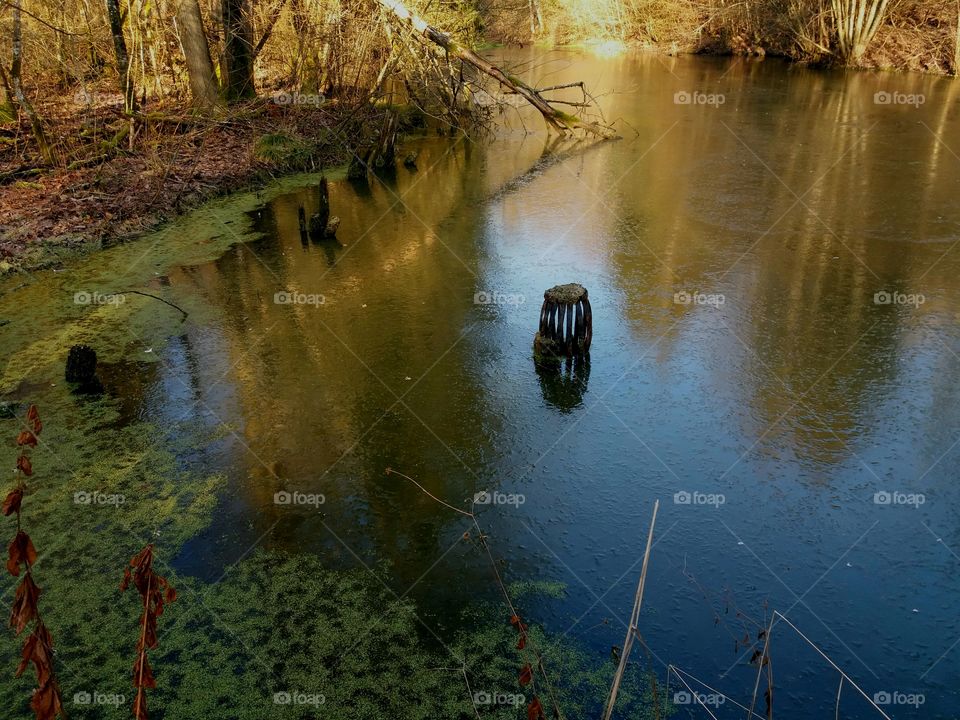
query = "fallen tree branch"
{"x": 556, "y": 119}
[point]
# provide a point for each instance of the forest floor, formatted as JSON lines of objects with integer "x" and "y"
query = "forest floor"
{"x": 103, "y": 192}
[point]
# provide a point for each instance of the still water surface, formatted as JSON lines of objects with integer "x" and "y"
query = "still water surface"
{"x": 734, "y": 254}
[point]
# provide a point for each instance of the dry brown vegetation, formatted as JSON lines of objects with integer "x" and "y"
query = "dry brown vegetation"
{"x": 912, "y": 34}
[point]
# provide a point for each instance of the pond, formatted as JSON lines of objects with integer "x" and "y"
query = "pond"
{"x": 769, "y": 253}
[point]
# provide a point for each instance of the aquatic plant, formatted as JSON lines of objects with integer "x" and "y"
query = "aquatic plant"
{"x": 38, "y": 648}
{"x": 155, "y": 592}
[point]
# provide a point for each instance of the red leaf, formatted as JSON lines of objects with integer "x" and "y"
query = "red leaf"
{"x": 522, "y": 642}
{"x": 526, "y": 675}
{"x": 24, "y": 604}
{"x": 33, "y": 417}
{"x": 170, "y": 595}
{"x": 515, "y": 620}
{"x": 46, "y": 702}
{"x": 12, "y": 503}
{"x": 535, "y": 710}
{"x": 143, "y": 673}
{"x": 24, "y": 465}
{"x": 140, "y": 705}
{"x": 38, "y": 649}
{"x": 21, "y": 552}
{"x": 27, "y": 438}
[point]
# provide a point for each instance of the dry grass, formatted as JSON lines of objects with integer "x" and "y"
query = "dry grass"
{"x": 916, "y": 34}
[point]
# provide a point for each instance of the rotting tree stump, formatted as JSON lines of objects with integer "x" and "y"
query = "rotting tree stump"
{"x": 566, "y": 323}
{"x": 81, "y": 364}
{"x": 81, "y": 370}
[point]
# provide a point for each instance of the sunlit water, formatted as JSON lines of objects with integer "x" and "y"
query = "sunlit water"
{"x": 742, "y": 359}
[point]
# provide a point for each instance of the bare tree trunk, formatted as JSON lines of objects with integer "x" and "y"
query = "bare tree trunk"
{"x": 557, "y": 120}
{"x": 196, "y": 52}
{"x": 16, "y": 86}
{"x": 857, "y": 22}
{"x": 238, "y": 50}
{"x": 123, "y": 58}
{"x": 274, "y": 16}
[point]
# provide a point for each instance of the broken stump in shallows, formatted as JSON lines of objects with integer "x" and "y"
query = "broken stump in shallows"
{"x": 81, "y": 364}
{"x": 81, "y": 369}
{"x": 566, "y": 323}
{"x": 321, "y": 225}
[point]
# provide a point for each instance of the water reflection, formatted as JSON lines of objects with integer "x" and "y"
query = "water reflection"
{"x": 797, "y": 392}
{"x": 564, "y": 383}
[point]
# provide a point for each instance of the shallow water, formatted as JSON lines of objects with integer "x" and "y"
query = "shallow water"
{"x": 785, "y": 391}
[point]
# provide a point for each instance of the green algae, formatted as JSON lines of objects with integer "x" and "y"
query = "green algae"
{"x": 274, "y": 623}
{"x": 43, "y": 314}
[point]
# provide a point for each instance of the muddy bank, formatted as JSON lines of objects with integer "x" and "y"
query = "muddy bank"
{"x": 106, "y": 193}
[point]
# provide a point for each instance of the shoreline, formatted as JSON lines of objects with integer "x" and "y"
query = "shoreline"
{"x": 62, "y": 214}
{"x": 49, "y": 217}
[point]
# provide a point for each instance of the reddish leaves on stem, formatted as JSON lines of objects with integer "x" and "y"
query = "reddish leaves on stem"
{"x": 24, "y": 604}
{"x": 155, "y": 592}
{"x": 21, "y": 554}
{"x": 535, "y": 710}
{"x": 521, "y": 630}
{"x": 12, "y": 502}
{"x": 526, "y": 675}
{"x": 38, "y": 650}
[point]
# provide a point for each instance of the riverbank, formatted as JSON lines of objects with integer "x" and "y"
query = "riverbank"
{"x": 107, "y": 193}
{"x": 916, "y": 35}
{"x": 106, "y": 190}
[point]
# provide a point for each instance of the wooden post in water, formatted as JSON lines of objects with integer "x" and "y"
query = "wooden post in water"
{"x": 566, "y": 323}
